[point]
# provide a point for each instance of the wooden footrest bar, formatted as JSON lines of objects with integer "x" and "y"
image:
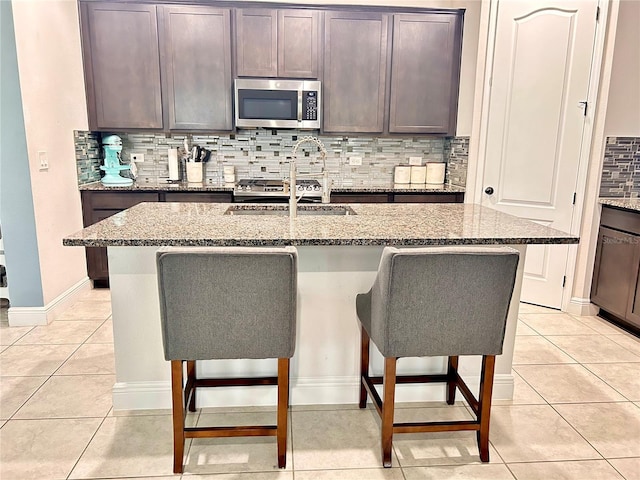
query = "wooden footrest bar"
{"x": 248, "y": 431}
{"x": 419, "y": 427}
{"x": 235, "y": 382}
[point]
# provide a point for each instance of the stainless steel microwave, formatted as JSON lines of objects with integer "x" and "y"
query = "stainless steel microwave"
{"x": 275, "y": 103}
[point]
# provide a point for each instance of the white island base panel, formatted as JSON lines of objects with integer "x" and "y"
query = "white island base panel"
{"x": 325, "y": 367}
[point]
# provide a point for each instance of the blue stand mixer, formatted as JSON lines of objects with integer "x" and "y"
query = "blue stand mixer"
{"x": 112, "y": 145}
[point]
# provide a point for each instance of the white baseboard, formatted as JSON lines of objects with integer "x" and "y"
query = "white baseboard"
{"x": 304, "y": 391}
{"x": 29, "y": 316}
{"x": 582, "y": 307}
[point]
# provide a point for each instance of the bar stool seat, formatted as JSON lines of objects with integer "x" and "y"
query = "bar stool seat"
{"x": 226, "y": 303}
{"x": 436, "y": 302}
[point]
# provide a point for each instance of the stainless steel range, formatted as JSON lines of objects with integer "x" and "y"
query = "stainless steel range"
{"x": 263, "y": 190}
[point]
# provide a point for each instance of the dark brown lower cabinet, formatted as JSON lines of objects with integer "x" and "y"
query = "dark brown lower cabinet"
{"x": 616, "y": 276}
{"x": 98, "y": 205}
{"x": 349, "y": 197}
{"x": 391, "y": 197}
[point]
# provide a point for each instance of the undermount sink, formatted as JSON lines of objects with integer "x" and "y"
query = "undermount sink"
{"x": 284, "y": 210}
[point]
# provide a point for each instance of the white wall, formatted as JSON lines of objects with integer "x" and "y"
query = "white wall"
{"x": 623, "y": 108}
{"x": 53, "y": 98}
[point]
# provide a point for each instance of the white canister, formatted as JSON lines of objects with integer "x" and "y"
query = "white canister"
{"x": 229, "y": 178}
{"x": 229, "y": 169}
{"x": 194, "y": 172}
{"x": 435, "y": 173}
{"x": 418, "y": 174}
{"x": 402, "y": 174}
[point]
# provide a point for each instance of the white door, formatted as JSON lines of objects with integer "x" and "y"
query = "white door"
{"x": 540, "y": 74}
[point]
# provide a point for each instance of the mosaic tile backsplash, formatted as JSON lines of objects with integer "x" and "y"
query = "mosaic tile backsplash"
{"x": 88, "y": 157}
{"x": 621, "y": 168}
{"x": 263, "y": 153}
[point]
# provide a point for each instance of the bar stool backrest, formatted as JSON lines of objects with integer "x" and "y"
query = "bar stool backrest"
{"x": 227, "y": 302}
{"x": 442, "y": 300}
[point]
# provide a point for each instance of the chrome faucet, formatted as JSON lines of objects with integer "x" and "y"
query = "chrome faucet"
{"x": 326, "y": 189}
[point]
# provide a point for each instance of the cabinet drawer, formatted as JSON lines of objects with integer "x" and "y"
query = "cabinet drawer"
{"x": 360, "y": 198}
{"x": 120, "y": 200}
{"x": 205, "y": 197}
{"x": 620, "y": 220}
{"x": 428, "y": 198}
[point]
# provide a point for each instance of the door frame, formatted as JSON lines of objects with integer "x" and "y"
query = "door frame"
{"x": 590, "y": 153}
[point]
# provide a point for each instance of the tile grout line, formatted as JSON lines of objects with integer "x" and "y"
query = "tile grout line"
{"x": 75, "y": 464}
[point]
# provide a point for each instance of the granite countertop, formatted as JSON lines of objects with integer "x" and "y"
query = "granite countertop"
{"x": 228, "y": 187}
{"x": 161, "y": 187}
{"x": 630, "y": 204}
{"x": 193, "y": 224}
{"x": 398, "y": 188}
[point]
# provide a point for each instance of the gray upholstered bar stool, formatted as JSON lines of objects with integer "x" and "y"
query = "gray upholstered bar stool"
{"x": 436, "y": 302}
{"x": 227, "y": 303}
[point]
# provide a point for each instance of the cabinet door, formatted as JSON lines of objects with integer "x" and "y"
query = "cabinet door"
{"x": 122, "y": 65}
{"x": 298, "y": 43}
{"x": 355, "y": 71}
{"x": 256, "y": 42}
{"x": 633, "y": 305}
{"x": 613, "y": 271}
{"x": 425, "y": 73}
{"x": 97, "y": 263}
{"x": 196, "y": 60}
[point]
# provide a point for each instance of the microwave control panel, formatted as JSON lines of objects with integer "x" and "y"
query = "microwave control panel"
{"x": 310, "y": 105}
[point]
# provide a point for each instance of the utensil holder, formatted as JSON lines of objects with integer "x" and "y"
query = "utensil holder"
{"x": 194, "y": 172}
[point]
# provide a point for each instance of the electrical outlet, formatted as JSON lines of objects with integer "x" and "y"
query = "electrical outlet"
{"x": 355, "y": 160}
{"x": 137, "y": 157}
{"x": 44, "y": 161}
{"x": 415, "y": 160}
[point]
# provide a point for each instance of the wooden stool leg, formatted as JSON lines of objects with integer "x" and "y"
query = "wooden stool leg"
{"x": 451, "y": 385}
{"x": 484, "y": 413}
{"x": 191, "y": 378}
{"x": 389, "y": 390}
{"x": 364, "y": 365}
{"x": 283, "y": 403}
{"x": 177, "y": 399}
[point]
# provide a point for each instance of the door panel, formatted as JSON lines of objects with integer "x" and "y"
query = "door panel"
{"x": 197, "y": 67}
{"x": 540, "y": 74}
{"x": 121, "y": 52}
{"x": 355, "y": 71}
{"x": 257, "y": 42}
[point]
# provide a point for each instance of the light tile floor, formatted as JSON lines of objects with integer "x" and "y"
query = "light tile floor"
{"x": 575, "y": 415}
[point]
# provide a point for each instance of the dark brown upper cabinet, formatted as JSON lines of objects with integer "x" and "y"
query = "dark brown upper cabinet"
{"x": 355, "y": 71}
{"x": 425, "y": 73}
{"x": 277, "y": 43}
{"x": 122, "y": 65}
{"x": 196, "y": 66}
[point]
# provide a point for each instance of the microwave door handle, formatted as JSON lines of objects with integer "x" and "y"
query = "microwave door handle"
{"x": 300, "y": 106}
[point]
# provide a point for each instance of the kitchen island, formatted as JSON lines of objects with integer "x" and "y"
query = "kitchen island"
{"x": 338, "y": 258}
